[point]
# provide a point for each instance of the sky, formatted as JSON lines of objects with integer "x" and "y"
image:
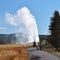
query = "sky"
{"x": 41, "y": 10}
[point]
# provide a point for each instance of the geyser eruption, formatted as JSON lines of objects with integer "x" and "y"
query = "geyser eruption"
{"x": 26, "y": 26}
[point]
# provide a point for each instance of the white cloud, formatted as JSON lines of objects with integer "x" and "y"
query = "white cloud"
{"x": 25, "y": 22}
{"x": 10, "y": 19}
{"x": 23, "y": 15}
{"x": 2, "y": 28}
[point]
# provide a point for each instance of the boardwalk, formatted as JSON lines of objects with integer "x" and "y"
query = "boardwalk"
{"x": 41, "y": 55}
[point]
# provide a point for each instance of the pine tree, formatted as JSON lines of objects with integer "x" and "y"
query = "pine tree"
{"x": 34, "y": 44}
{"x": 55, "y": 30}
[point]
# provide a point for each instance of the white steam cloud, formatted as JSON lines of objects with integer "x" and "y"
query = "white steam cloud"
{"x": 26, "y": 24}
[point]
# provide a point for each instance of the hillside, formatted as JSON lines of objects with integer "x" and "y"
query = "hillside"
{"x": 11, "y": 38}
{"x": 7, "y": 38}
{"x": 44, "y": 37}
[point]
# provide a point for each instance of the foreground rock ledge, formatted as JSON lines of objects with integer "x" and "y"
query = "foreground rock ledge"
{"x": 13, "y": 52}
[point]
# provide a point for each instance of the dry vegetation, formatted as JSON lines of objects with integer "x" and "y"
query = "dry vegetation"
{"x": 13, "y": 52}
{"x": 52, "y": 50}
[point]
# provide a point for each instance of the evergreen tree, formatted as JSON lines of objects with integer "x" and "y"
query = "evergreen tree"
{"x": 55, "y": 30}
{"x": 34, "y": 44}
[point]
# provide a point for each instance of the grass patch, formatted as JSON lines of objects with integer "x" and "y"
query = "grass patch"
{"x": 13, "y": 52}
{"x": 52, "y": 50}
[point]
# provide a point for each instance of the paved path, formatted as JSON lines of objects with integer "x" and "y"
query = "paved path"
{"x": 41, "y": 55}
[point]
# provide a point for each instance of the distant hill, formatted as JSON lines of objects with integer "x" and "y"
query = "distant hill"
{"x": 11, "y": 38}
{"x": 43, "y": 37}
{"x": 7, "y": 38}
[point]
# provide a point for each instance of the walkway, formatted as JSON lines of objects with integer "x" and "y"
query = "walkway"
{"x": 41, "y": 55}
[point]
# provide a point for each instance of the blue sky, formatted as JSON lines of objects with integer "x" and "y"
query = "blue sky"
{"x": 41, "y": 9}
